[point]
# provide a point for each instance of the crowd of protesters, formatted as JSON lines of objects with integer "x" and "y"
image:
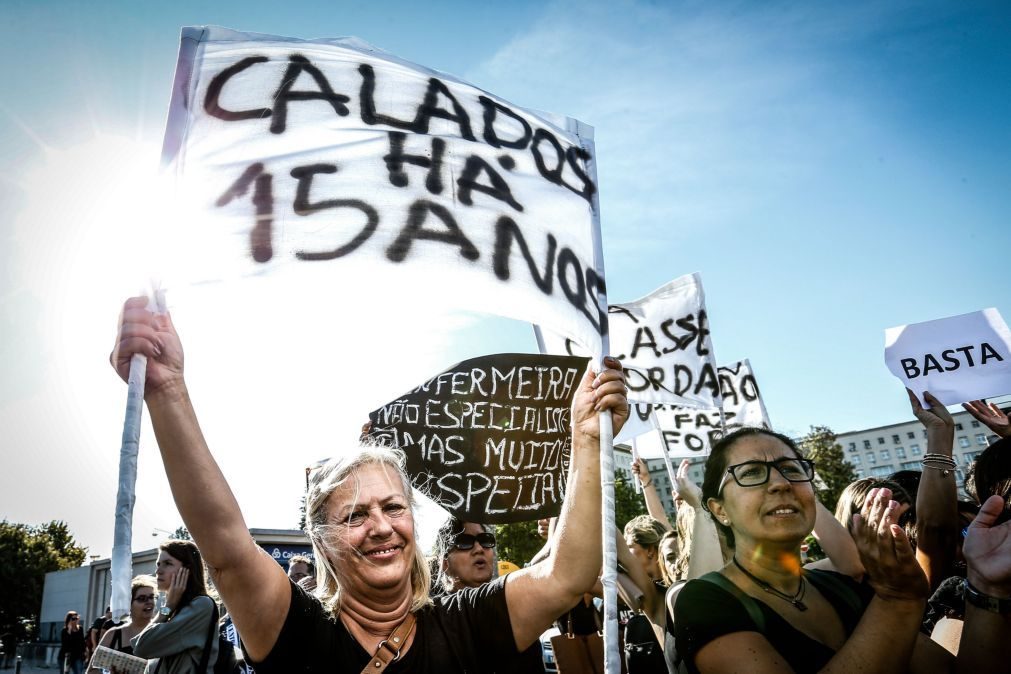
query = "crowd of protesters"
{"x": 913, "y": 579}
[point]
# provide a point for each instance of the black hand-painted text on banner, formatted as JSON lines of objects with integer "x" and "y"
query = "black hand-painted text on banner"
{"x": 333, "y": 154}
{"x": 663, "y": 343}
{"x": 489, "y": 438}
{"x": 686, "y": 431}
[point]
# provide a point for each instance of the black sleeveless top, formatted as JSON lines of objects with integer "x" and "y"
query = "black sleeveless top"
{"x": 117, "y": 641}
{"x": 705, "y": 611}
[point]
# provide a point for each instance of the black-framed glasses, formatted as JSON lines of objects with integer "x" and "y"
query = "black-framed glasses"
{"x": 756, "y": 473}
{"x": 467, "y": 541}
{"x": 142, "y": 598}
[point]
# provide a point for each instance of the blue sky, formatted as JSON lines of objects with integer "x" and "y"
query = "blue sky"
{"x": 832, "y": 169}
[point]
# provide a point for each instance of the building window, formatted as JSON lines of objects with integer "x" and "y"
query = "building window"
{"x": 870, "y": 457}
{"x": 856, "y": 460}
{"x": 881, "y": 441}
{"x": 911, "y": 435}
{"x": 915, "y": 449}
{"x": 975, "y": 424}
{"x": 963, "y": 441}
{"x": 881, "y": 471}
{"x": 895, "y": 440}
{"x": 970, "y": 457}
{"x": 924, "y": 433}
{"x": 981, "y": 439}
{"x": 853, "y": 446}
{"x": 900, "y": 452}
{"x": 958, "y": 427}
{"x": 885, "y": 456}
{"x": 867, "y": 444}
{"x": 911, "y": 465}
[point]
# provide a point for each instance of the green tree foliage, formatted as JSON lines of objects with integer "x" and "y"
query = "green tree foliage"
{"x": 518, "y": 542}
{"x": 182, "y": 533}
{"x": 27, "y": 554}
{"x": 833, "y": 472}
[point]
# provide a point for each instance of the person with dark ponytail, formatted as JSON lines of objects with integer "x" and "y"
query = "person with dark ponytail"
{"x": 178, "y": 636}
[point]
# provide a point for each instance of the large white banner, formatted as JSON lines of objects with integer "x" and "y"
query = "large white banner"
{"x": 690, "y": 432}
{"x": 300, "y": 155}
{"x": 662, "y": 341}
{"x": 959, "y": 358}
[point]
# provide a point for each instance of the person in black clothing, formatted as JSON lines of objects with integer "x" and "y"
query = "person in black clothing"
{"x": 762, "y": 606}
{"x": 373, "y": 577}
{"x": 72, "y": 644}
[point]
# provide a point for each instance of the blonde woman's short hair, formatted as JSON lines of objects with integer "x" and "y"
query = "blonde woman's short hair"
{"x": 323, "y": 481}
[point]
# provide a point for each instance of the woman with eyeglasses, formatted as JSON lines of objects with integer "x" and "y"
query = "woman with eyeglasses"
{"x": 763, "y": 613}
{"x": 179, "y": 635}
{"x": 71, "y": 654}
{"x": 372, "y": 606}
{"x": 143, "y": 596}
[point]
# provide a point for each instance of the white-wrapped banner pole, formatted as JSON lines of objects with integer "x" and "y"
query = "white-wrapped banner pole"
{"x": 612, "y": 656}
{"x": 635, "y": 457}
{"x": 121, "y": 570}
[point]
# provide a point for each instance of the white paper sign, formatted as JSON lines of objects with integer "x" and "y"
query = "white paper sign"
{"x": 960, "y": 358}
{"x": 298, "y": 155}
{"x": 662, "y": 341}
{"x": 686, "y": 431}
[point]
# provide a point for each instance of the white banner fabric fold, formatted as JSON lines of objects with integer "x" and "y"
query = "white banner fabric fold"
{"x": 957, "y": 359}
{"x": 662, "y": 341}
{"x": 296, "y": 155}
{"x": 688, "y": 432}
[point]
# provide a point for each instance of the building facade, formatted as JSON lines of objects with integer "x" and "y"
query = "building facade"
{"x": 88, "y": 589}
{"x": 883, "y": 450}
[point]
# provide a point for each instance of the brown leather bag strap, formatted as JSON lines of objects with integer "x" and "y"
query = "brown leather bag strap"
{"x": 389, "y": 648}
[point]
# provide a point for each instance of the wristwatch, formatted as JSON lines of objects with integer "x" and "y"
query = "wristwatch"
{"x": 985, "y": 601}
{"x": 165, "y": 611}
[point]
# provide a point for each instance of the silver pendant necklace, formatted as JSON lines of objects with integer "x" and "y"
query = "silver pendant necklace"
{"x": 797, "y": 599}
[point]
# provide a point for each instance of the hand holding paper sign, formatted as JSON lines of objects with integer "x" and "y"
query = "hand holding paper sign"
{"x": 990, "y": 416}
{"x": 958, "y": 358}
{"x": 935, "y": 417}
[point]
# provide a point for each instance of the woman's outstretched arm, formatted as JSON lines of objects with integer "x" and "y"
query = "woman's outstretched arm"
{"x": 253, "y": 586}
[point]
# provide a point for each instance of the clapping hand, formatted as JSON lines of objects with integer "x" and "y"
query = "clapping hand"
{"x": 987, "y": 550}
{"x": 885, "y": 551}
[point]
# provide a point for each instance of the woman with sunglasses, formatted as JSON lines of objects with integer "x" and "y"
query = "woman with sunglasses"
{"x": 764, "y": 613}
{"x": 467, "y": 556}
{"x": 373, "y": 602}
{"x": 143, "y": 595}
{"x": 72, "y": 644}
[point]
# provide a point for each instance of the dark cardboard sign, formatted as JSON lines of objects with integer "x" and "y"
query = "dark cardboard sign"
{"x": 490, "y": 437}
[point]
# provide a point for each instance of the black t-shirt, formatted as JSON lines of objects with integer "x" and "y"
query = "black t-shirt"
{"x": 704, "y": 611}
{"x": 467, "y": 631}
